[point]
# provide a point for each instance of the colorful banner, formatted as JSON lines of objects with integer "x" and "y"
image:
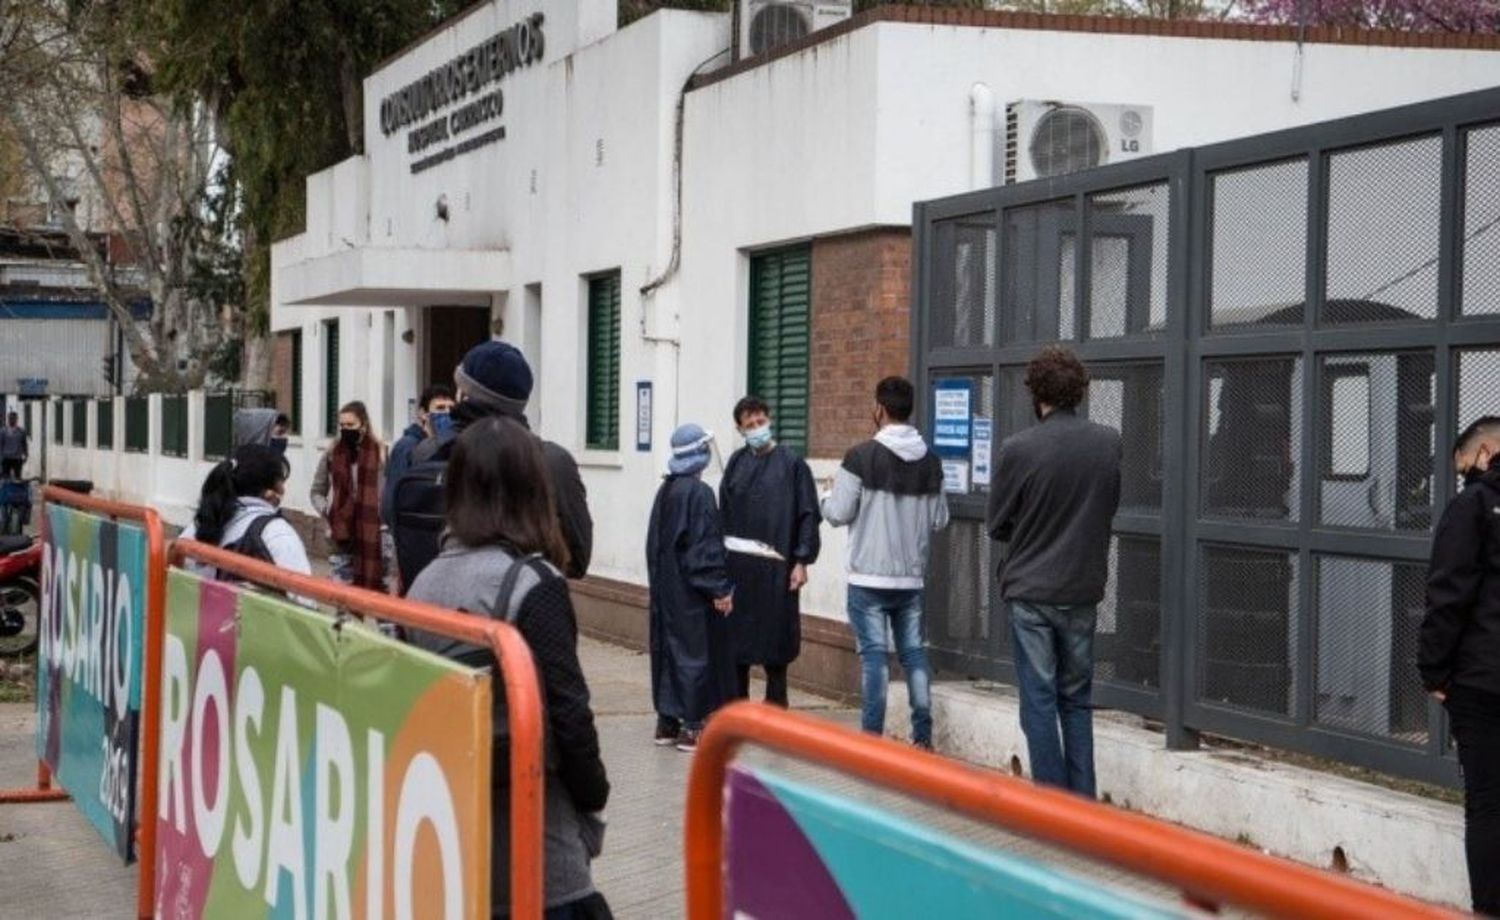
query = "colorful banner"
{"x": 89, "y": 673}
{"x": 793, "y": 851}
{"x": 311, "y": 768}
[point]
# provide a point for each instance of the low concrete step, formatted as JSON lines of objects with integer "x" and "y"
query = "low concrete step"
{"x": 1404, "y": 842}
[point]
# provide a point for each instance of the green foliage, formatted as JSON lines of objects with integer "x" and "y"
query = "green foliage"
{"x": 285, "y": 81}
{"x": 631, "y": 10}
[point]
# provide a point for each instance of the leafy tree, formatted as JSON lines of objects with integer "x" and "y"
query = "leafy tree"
{"x": 1399, "y": 15}
{"x": 113, "y": 155}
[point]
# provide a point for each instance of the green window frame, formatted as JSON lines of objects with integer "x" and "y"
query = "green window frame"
{"x": 781, "y": 339}
{"x": 296, "y": 413}
{"x": 138, "y": 424}
{"x": 603, "y": 367}
{"x": 80, "y": 437}
{"x": 105, "y": 426}
{"x": 330, "y": 377}
{"x": 218, "y": 425}
{"x": 174, "y": 426}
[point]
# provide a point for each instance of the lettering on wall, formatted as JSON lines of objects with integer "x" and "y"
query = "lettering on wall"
{"x": 424, "y": 103}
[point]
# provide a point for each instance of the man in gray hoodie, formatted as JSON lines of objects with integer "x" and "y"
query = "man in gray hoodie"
{"x": 890, "y": 491}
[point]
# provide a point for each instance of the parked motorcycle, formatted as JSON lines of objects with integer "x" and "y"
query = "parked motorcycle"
{"x": 21, "y": 568}
{"x": 20, "y": 572}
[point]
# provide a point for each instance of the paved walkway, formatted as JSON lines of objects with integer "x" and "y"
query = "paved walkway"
{"x": 52, "y": 865}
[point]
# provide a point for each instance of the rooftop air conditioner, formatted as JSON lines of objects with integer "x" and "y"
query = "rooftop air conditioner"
{"x": 769, "y": 24}
{"x": 1045, "y": 139}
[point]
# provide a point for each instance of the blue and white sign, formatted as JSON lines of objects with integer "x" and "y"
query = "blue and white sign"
{"x": 952, "y": 417}
{"x": 984, "y": 439}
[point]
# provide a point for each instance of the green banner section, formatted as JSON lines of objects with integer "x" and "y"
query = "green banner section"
{"x": 311, "y": 768}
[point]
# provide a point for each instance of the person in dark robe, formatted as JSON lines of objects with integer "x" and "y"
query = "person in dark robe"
{"x": 768, "y": 503}
{"x": 692, "y": 663}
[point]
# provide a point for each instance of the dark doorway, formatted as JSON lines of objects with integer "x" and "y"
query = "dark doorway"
{"x": 451, "y": 332}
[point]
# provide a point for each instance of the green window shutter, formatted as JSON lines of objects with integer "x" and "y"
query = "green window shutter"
{"x": 137, "y": 424}
{"x": 331, "y": 377}
{"x": 296, "y": 412}
{"x": 218, "y": 425}
{"x": 781, "y": 339}
{"x": 80, "y": 423}
{"x": 603, "y": 410}
{"x": 106, "y": 423}
{"x": 174, "y": 425}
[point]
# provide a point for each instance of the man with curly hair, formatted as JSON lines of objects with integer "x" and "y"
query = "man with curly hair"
{"x": 1052, "y": 500}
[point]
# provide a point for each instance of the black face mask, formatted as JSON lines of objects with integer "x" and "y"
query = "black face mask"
{"x": 279, "y": 445}
{"x": 350, "y": 437}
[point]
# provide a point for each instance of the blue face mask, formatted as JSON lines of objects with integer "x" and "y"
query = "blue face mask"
{"x": 441, "y": 423}
{"x": 279, "y": 445}
{"x": 758, "y": 438}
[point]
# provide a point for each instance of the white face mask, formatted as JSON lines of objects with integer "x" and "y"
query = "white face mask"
{"x": 759, "y": 437}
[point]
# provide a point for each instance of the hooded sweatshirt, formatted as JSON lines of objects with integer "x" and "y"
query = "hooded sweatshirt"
{"x": 890, "y": 491}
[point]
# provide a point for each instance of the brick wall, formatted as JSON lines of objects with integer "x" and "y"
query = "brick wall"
{"x": 281, "y": 371}
{"x": 861, "y": 289}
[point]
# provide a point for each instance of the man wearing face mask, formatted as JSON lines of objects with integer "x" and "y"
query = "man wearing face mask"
{"x": 768, "y": 505}
{"x": 433, "y": 421}
{"x": 1459, "y": 652}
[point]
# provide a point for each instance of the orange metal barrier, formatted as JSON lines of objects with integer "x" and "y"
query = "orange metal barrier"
{"x": 522, "y": 692}
{"x": 156, "y": 599}
{"x": 1210, "y": 872}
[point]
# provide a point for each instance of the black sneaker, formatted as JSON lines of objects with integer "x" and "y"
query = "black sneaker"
{"x": 922, "y": 745}
{"x": 667, "y": 731}
{"x": 687, "y": 742}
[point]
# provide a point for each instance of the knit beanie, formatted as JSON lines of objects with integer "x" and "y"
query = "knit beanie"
{"x": 690, "y": 450}
{"x": 495, "y": 376}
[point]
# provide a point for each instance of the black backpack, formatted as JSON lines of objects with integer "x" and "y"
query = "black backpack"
{"x": 252, "y": 543}
{"x": 418, "y": 507}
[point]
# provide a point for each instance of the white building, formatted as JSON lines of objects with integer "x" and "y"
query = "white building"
{"x": 545, "y": 203}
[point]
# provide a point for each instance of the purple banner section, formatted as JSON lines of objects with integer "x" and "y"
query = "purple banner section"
{"x": 773, "y": 870}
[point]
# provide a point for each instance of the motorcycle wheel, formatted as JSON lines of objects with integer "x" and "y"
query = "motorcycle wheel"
{"x": 20, "y": 617}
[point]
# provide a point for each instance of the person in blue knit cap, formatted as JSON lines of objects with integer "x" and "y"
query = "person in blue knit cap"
{"x": 692, "y": 659}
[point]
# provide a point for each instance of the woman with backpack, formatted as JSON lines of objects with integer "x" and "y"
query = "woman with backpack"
{"x": 346, "y": 492}
{"x": 238, "y": 509}
{"x": 502, "y": 556}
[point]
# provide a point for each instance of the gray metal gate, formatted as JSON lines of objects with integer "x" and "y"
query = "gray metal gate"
{"x": 1287, "y": 330}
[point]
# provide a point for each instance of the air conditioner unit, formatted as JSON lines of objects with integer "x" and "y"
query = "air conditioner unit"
{"x": 1043, "y": 139}
{"x": 768, "y": 24}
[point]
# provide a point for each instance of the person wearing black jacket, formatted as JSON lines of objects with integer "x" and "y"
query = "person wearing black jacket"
{"x": 1459, "y": 654}
{"x": 495, "y": 380}
{"x": 500, "y": 516}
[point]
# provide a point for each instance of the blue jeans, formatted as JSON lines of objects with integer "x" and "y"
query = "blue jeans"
{"x": 1054, "y": 649}
{"x": 869, "y": 610}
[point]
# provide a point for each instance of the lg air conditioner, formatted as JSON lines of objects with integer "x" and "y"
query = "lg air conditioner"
{"x": 1043, "y": 139}
{"x": 768, "y": 24}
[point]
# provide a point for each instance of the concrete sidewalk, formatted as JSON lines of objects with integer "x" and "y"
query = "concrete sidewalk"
{"x": 53, "y": 865}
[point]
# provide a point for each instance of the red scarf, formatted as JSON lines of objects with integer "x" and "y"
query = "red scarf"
{"x": 354, "y": 515}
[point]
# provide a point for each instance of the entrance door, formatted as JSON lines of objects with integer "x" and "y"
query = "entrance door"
{"x": 451, "y": 332}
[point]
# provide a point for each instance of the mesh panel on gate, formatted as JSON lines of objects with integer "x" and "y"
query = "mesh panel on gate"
{"x": 1038, "y": 268}
{"x": 1127, "y": 646}
{"x": 1376, "y": 424}
{"x": 1259, "y": 245}
{"x": 1130, "y": 233}
{"x": 1481, "y": 253}
{"x": 1129, "y": 399}
{"x": 1384, "y": 215}
{"x": 1478, "y": 385}
{"x": 1248, "y": 618}
{"x": 962, "y": 574}
{"x": 963, "y": 309}
{"x": 1251, "y": 434}
{"x": 1369, "y": 613}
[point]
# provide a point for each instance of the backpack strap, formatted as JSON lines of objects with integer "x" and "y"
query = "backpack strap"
{"x": 507, "y": 606}
{"x": 252, "y": 543}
